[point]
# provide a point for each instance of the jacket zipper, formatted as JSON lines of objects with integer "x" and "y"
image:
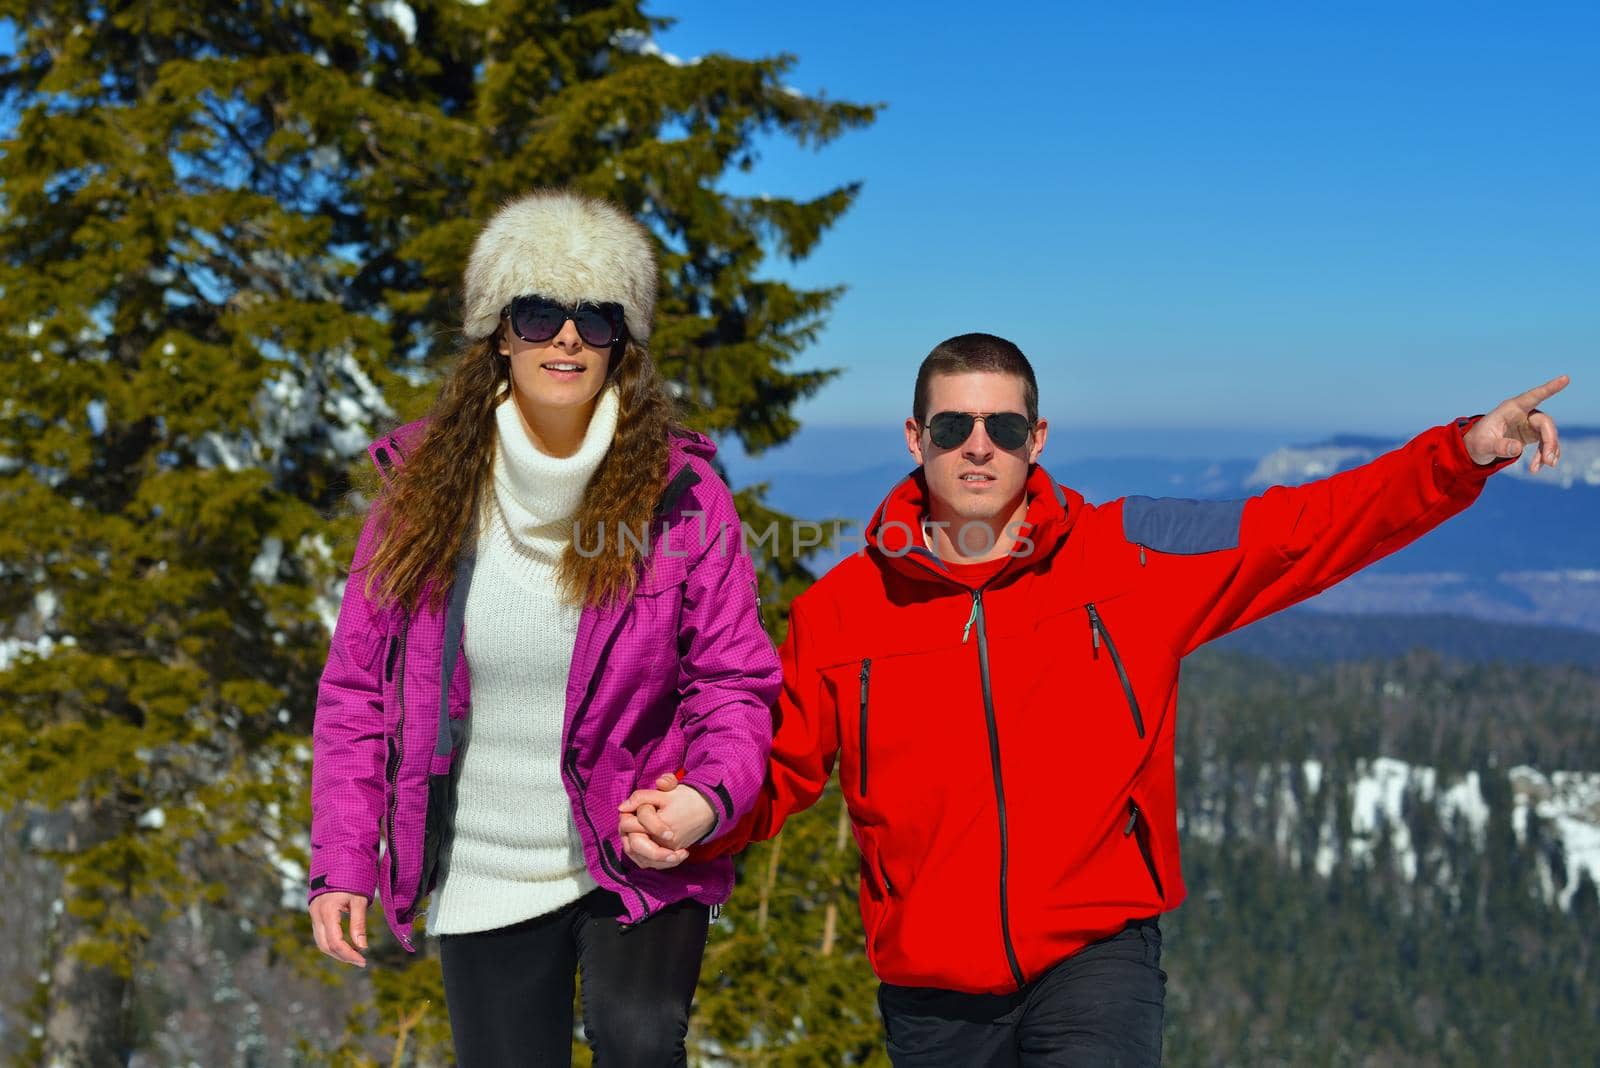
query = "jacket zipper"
{"x": 866, "y": 675}
{"x": 999, "y": 785}
{"x": 397, "y": 671}
{"x": 1134, "y": 816}
{"x": 612, "y": 865}
{"x": 1097, "y": 631}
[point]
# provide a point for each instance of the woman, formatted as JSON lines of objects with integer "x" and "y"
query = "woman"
{"x": 550, "y": 542}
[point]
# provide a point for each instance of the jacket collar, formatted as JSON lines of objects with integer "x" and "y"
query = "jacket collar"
{"x": 894, "y": 532}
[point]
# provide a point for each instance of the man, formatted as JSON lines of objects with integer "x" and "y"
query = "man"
{"x": 997, "y": 676}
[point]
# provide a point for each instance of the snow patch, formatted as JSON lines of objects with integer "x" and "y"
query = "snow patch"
{"x": 1568, "y": 801}
{"x": 12, "y": 649}
{"x": 1381, "y": 795}
{"x": 400, "y": 13}
{"x": 214, "y": 450}
{"x": 639, "y": 43}
{"x": 1292, "y": 466}
{"x": 264, "y": 568}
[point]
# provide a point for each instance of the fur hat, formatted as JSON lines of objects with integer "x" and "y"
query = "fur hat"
{"x": 564, "y": 246}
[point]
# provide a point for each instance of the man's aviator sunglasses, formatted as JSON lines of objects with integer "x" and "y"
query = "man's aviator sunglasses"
{"x": 1009, "y": 430}
{"x": 538, "y": 319}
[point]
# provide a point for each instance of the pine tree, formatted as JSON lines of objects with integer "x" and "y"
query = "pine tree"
{"x": 786, "y": 979}
{"x": 230, "y": 242}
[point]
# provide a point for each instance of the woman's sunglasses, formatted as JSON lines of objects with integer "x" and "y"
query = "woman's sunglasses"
{"x": 1009, "y": 430}
{"x": 539, "y": 319}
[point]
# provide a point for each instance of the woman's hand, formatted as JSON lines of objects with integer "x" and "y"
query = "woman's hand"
{"x": 658, "y": 826}
{"x": 326, "y": 910}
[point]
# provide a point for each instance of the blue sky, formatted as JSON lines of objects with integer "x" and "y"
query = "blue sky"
{"x": 1241, "y": 220}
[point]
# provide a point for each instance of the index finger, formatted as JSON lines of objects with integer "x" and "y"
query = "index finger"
{"x": 653, "y": 824}
{"x": 342, "y": 950}
{"x": 1539, "y": 394}
{"x": 643, "y": 797}
{"x": 642, "y": 847}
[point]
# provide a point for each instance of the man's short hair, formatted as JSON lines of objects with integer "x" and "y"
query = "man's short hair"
{"x": 967, "y": 353}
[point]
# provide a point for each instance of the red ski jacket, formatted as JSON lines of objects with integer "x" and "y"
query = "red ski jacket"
{"x": 1006, "y": 751}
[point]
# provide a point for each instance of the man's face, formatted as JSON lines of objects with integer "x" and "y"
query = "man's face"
{"x": 974, "y": 480}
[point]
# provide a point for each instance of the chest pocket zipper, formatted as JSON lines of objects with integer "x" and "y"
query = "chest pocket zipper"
{"x": 1097, "y": 634}
{"x": 866, "y": 679}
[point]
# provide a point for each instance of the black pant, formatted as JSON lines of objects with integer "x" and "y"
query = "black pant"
{"x": 1100, "y": 1006}
{"x": 510, "y": 990}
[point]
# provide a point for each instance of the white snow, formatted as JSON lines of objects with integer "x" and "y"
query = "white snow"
{"x": 401, "y": 14}
{"x": 214, "y": 450}
{"x": 1463, "y": 801}
{"x": 639, "y": 43}
{"x": 264, "y": 569}
{"x": 12, "y": 648}
{"x": 1567, "y": 801}
{"x": 1313, "y": 774}
{"x": 1294, "y": 465}
{"x": 1377, "y": 804}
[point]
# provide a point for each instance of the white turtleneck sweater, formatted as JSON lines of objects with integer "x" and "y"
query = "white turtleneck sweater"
{"x": 515, "y": 852}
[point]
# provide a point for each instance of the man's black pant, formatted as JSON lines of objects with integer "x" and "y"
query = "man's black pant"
{"x": 510, "y": 990}
{"x": 1100, "y": 1006}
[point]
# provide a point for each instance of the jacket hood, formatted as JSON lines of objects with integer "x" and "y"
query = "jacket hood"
{"x": 686, "y": 443}
{"x": 894, "y": 532}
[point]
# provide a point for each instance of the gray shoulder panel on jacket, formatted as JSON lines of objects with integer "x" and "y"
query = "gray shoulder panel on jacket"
{"x": 1177, "y": 525}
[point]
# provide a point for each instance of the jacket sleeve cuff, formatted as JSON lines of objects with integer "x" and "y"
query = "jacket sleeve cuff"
{"x": 717, "y": 796}
{"x": 343, "y": 872}
{"x": 726, "y": 839}
{"x": 1459, "y": 464}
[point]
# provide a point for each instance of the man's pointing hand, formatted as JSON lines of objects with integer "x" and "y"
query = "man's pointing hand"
{"x": 1502, "y": 433}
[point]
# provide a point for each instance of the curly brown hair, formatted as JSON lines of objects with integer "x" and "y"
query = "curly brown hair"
{"x": 427, "y": 508}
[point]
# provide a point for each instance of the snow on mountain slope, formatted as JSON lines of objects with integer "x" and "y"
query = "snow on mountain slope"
{"x": 1566, "y": 802}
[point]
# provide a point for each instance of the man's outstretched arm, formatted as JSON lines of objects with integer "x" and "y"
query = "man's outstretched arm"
{"x": 1232, "y": 563}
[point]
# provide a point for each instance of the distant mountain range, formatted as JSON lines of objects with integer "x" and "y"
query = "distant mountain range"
{"x": 1528, "y": 552}
{"x": 1309, "y": 635}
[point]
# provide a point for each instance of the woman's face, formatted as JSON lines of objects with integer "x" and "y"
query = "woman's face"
{"x": 562, "y": 373}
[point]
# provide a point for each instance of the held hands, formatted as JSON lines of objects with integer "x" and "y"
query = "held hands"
{"x": 658, "y": 826}
{"x": 1502, "y": 433}
{"x": 326, "y": 925}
